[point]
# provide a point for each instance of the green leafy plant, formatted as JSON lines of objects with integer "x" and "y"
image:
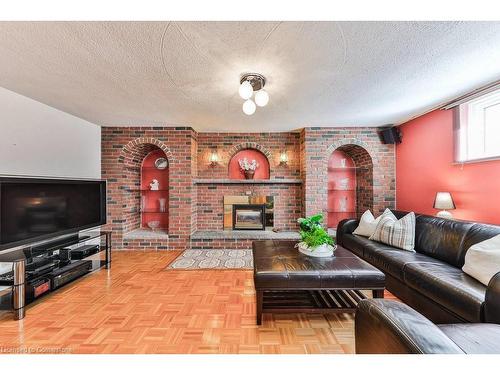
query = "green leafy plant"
{"x": 312, "y": 232}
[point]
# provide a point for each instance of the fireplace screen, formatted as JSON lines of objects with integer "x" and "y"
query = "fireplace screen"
{"x": 249, "y": 216}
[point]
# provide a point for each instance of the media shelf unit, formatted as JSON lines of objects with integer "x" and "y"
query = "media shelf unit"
{"x": 40, "y": 269}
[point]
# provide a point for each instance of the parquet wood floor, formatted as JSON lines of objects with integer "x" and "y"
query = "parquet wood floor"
{"x": 140, "y": 307}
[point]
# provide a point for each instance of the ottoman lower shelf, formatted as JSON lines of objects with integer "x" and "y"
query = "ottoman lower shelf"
{"x": 311, "y": 300}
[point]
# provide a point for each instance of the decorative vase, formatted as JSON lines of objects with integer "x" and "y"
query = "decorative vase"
{"x": 249, "y": 174}
{"x": 163, "y": 202}
{"x": 344, "y": 183}
{"x": 343, "y": 204}
{"x": 321, "y": 251}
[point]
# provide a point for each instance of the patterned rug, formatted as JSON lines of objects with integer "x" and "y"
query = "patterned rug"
{"x": 213, "y": 259}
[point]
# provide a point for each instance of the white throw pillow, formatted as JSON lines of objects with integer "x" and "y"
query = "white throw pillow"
{"x": 398, "y": 233}
{"x": 368, "y": 223}
{"x": 482, "y": 260}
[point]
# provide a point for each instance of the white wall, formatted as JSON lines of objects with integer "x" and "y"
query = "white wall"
{"x": 38, "y": 140}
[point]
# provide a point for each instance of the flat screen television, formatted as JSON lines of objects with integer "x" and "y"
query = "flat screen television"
{"x": 36, "y": 209}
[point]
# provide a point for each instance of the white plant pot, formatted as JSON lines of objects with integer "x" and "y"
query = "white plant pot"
{"x": 321, "y": 251}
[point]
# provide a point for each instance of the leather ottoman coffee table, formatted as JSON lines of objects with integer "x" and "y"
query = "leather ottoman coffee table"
{"x": 288, "y": 281}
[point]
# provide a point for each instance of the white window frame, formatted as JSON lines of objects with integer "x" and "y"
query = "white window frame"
{"x": 470, "y": 129}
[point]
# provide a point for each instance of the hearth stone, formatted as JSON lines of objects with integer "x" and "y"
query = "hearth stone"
{"x": 145, "y": 234}
{"x": 244, "y": 235}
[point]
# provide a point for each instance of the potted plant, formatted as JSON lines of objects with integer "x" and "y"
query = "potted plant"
{"x": 248, "y": 167}
{"x": 316, "y": 241}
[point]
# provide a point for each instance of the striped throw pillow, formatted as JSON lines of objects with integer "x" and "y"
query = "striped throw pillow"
{"x": 398, "y": 233}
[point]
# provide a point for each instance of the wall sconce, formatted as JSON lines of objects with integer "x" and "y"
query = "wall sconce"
{"x": 283, "y": 158}
{"x": 214, "y": 159}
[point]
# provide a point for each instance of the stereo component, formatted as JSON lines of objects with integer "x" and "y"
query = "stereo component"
{"x": 84, "y": 251}
{"x": 68, "y": 273}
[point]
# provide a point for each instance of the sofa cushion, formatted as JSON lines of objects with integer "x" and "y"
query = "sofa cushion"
{"x": 355, "y": 243}
{"x": 448, "y": 286}
{"x": 441, "y": 238}
{"x": 482, "y": 260}
{"x": 398, "y": 233}
{"x": 478, "y": 233}
{"x": 368, "y": 223}
{"x": 393, "y": 261}
{"x": 479, "y": 338}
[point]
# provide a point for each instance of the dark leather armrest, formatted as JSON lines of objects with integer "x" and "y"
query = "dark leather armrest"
{"x": 391, "y": 327}
{"x": 492, "y": 301}
{"x": 346, "y": 226}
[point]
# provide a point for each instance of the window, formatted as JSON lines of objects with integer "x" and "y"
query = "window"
{"x": 479, "y": 128}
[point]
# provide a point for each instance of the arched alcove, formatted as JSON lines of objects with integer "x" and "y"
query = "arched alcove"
{"x": 350, "y": 183}
{"x": 141, "y": 205}
{"x": 154, "y": 203}
{"x": 261, "y": 173}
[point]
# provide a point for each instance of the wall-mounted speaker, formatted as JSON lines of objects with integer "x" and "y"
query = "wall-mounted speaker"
{"x": 391, "y": 135}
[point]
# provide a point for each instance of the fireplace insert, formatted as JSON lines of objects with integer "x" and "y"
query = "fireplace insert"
{"x": 249, "y": 217}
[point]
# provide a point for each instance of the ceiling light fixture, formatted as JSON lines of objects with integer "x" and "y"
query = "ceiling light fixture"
{"x": 261, "y": 98}
{"x": 250, "y": 83}
{"x": 245, "y": 90}
{"x": 249, "y": 107}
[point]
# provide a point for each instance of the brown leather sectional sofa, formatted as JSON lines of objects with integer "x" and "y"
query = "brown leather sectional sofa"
{"x": 432, "y": 282}
{"x": 431, "y": 279}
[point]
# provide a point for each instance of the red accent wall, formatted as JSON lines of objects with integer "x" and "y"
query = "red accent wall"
{"x": 424, "y": 165}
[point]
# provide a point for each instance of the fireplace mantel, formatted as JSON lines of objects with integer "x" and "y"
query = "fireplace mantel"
{"x": 227, "y": 181}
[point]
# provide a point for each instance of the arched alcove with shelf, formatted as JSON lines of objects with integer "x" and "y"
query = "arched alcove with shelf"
{"x": 144, "y": 216}
{"x": 154, "y": 201}
{"x": 350, "y": 183}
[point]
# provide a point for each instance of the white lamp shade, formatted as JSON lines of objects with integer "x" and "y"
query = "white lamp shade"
{"x": 261, "y": 98}
{"x": 245, "y": 90}
{"x": 249, "y": 107}
{"x": 444, "y": 201}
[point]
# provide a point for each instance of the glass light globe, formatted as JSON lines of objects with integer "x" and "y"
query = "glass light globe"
{"x": 261, "y": 98}
{"x": 245, "y": 90}
{"x": 249, "y": 107}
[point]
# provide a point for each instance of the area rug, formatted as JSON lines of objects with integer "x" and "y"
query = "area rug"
{"x": 213, "y": 259}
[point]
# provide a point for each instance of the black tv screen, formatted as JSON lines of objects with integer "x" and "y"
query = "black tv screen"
{"x": 33, "y": 209}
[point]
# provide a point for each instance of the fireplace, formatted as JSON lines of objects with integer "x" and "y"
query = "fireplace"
{"x": 249, "y": 217}
{"x": 248, "y": 212}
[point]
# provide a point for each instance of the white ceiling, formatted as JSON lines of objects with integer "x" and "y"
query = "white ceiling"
{"x": 187, "y": 73}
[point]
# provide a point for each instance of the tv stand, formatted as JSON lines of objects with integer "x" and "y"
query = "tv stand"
{"x": 38, "y": 270}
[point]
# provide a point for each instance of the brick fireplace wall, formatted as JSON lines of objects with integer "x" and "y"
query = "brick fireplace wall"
{"x": 288, "y": 202}
{"x": 196, "y": 192}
